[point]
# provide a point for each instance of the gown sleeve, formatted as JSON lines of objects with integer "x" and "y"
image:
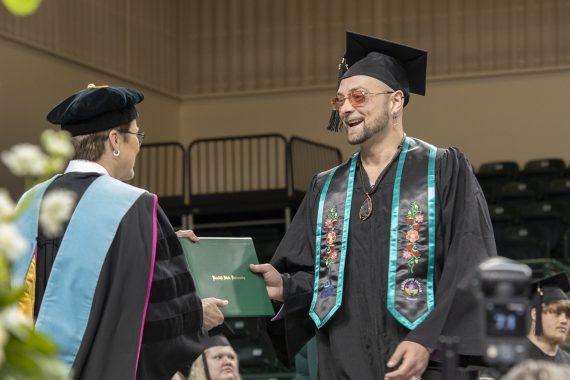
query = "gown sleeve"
{"x": 173, "y": 334}
{"x": 465, "y": 238}
{"x": 295, "y": 260}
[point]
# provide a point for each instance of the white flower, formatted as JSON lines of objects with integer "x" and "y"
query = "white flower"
{"x": 55, "y": 210}
{"x": 25, "y": 160}
{"x": 7, "y": 205}
{"x": 57, "y": 143}
{"x": 12, "y": 317}
{"x": 12, "y": 244}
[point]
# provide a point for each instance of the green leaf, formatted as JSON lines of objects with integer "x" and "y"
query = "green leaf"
{"x": 41, "y": 343}
{"x": 11, "y": 297}
{"x": 4, "y": 274}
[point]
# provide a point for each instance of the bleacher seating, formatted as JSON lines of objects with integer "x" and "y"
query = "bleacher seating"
{"x": 541, "y": 172}
{"x": 544, "y": 216}
{"x": 530, "y": 210}
{"x": 549, "y": 167}
{"x": 516, "y": 192}
{"x": 493, "y": 175}
{"x": 519, "y": 242}
{"x": 502, "y": 216}
{"x": 558, "y": 191}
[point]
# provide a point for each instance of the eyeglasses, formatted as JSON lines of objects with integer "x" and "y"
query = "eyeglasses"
{"x": 356, "y": 98}
{"x": 140, "y": 136}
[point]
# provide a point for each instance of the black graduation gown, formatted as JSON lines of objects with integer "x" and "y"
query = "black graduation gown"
{"x": 561, "y": 357}
{"x": 173, "y": 324}
{"x": 360, "y": 337}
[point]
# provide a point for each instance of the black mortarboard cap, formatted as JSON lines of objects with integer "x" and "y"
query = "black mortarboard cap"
{"x": 548, "y": 289}
{"x": 216, "y": 340}
{"x": 399, "y": 66}
{"x": 95, "y": 109}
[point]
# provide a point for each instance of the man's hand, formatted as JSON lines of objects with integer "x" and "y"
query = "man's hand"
{"x": 212, "y": 316}
{"x": 272, "y": 278}
{"x": 187, "y": 234}
{"x": 413, "y": 359}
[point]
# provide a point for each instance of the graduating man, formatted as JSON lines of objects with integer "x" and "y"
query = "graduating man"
{"x": 111, "y": 287}
{"x": 376, "y": 251}
{"x": 550, "y": 319}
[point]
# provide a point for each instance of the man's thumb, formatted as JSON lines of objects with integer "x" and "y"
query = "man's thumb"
{"x": 259, "y": 268}
{"x": 221, "y": 303}
{"x": 395, "y": 358}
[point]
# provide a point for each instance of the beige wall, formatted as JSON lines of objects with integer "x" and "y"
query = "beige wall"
{"x": 32, "y": 82}
{"x": 501, "y": 117}
{"x": 518, "y": 117}
{"x": 303, "y": 114}
{"x": 509, "y": 117}
{"x": 498, "y": 117}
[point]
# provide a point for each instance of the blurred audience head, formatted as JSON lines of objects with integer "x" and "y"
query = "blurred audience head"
{"x": 538, "y": 370}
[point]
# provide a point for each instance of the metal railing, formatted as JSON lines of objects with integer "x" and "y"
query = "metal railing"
{"x": 232, "y": 174}
{"x": 237, "y": 164}
{"x": 308, "y": 158}
{"x": 161, "y": 169}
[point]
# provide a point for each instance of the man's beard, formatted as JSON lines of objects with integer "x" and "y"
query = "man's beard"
{"x": 368, "y": 130}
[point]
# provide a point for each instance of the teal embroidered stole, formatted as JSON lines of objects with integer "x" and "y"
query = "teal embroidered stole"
{"x": 410, "y": 295}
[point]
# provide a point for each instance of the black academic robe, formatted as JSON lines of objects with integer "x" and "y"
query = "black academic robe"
{"x": 173, "y": 324}
{"x": 360, "y": 337}
{"x": 561, "y": 357}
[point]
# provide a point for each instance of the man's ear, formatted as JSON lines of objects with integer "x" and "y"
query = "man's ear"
{"x": 533, "y": 315}
{"x": 397, "y": 102}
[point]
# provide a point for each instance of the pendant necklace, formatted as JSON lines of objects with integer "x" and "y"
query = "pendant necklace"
{"x": 366, "y": 208}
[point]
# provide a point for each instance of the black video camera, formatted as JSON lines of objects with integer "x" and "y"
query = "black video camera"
{"x": 503, "y": 293}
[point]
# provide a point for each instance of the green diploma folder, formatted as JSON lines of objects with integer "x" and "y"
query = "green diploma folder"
{"x": 220, "y": 268}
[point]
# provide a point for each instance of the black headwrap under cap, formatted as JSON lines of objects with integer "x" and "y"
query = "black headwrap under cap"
{"x": 549, "y": 289}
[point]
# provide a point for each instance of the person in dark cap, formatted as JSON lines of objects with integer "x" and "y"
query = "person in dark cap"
{"x": 111, "y": 288}
{"x": 372, "y": 260}
{"x": 219, "y": 361}
{"x": 550, "y": 319}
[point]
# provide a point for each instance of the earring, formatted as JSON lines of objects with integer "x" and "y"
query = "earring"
{"x": 116, "y": 153}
